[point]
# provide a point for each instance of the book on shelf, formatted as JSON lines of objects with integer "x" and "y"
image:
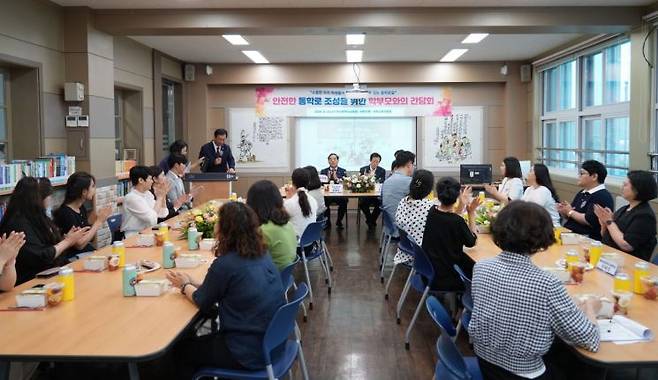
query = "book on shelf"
{"x": 57, "y": 167}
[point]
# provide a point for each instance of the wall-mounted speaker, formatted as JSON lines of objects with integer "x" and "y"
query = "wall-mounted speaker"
{"x": 189, "y": 72}
{"x": 526, "y": 73}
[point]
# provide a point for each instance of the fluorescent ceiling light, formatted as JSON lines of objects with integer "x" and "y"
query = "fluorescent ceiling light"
{"x": 354, "y": 55}
{"x": 235, "y": 39}
{"x": 453, "y": 55}
{"x": 474, "y": 38}
{"x": 255, "y": 56}
{"x": 355, "y": 39}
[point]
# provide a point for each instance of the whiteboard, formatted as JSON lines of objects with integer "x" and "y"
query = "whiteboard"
{"x": 259, "y": 143}
{"x": 352, "y": 139}
{"x": 449, "y": 141}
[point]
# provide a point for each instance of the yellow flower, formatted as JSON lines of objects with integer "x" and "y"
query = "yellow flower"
{"x": 198, "y": 219}
{"x": 196, "y": 212}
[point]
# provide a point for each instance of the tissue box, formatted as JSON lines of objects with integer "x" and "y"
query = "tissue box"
{"x": 569, "y": 238}
{"x": 188, "y": 260}
{"x": 206, "y": 244}
{"x": 95, "y": 263}
{"x": 151, "y": 288}
{"x": 145, "y": 240}
{"x": 32, "y": 298}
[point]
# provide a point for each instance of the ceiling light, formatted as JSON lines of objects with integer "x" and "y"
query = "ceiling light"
{"x": 453, "y": 55}
{"x": 255, "y": 56}
{"x": 354, "y": 55}
{"x": 474, "y": 38}
{"x": 355, "y": 39}
{"x": 235, "y": 39}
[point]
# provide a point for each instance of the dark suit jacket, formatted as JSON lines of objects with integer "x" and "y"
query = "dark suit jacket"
{"x": 208, "y": 151}
{"x": 340, "y": 172}
{"x": 380, "y": 173}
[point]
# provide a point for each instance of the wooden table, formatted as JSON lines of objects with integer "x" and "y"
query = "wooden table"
{"x": 100, "y": 324}
{"x": 597, "y": 282}
{"x": 345, "y": 194}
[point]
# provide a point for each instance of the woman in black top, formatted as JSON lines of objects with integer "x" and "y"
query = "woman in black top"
{"x": 26, "y": 213}
{"x": 80, "y": 188}
{"x": 632, "y": 228}
{"x": 446, "y": 232}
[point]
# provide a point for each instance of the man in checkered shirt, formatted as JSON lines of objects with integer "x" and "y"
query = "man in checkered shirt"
{"x": 519, "y": 308}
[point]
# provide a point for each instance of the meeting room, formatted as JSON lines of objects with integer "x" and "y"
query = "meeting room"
{"x": 328, "y": 189}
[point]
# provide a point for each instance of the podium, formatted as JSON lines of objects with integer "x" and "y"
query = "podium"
{"x": 214, "y": 185}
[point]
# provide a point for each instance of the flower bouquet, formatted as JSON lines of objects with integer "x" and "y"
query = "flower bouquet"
{"x": 359, "y": 183}
{"x": 485, "y": 216}
{"x": 203, "y": 219}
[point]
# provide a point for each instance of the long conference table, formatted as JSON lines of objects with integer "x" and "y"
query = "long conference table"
{"x": 100, "y": 324}
{"x": 644, "y": 354}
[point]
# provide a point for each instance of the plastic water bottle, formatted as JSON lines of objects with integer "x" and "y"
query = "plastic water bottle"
{"x": 192, "y": 234}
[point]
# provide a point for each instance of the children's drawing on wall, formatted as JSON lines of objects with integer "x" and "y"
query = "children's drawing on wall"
{"x": 259, "y": 140}
{"x": 452, "y": 137}
{"x": 244, "y": 148}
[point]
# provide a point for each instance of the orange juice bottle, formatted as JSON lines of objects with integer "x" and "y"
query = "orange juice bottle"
{"x": 621, "y": 283}
{"x": 66, "y": 278}
{"x": 641, "y": 270}
{"x": 595, "y": 252}
{"x": 558, "y": 235}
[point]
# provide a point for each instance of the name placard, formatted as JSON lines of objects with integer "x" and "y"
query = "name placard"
{"x": 336, "y": 188}
{"x": 608, "y": 266}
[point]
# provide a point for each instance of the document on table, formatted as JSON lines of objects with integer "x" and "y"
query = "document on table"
{"x": 622, "y": 329}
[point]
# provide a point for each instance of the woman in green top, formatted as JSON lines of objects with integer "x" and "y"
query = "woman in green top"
{"x": 265, "y": 199}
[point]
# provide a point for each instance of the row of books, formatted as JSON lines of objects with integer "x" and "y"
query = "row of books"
{"x": 123, "y": 188}
{"x": 55, "y": 166}
{"x": 124, "y": 166}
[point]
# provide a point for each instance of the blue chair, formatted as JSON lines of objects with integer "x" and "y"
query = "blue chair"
{"x": 312, "y": 237}
{"x": 467, "y": 299}
{"x": 423, "y": 276}
{"x": 278, "y": 332}
{"x": 654, "y": 259}
{"x": 114, "y": 224}
{"x": 452, "y": 365}
{"x": 389, "y": 234}
{"x": 440, "y": 316}
{"x": 405, "y": 246}
{"x": 288, "y": 281}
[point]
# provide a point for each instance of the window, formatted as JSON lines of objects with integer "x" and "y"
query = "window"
{"x": 4, "y": 115}
{"x": 560, "y": 87}
{"x": 168, "y": 114}
{"x": 593, "y": 124}
{"x": 118, "y": 125}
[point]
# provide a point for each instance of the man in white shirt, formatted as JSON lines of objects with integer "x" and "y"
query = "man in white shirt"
{"x": 177, "y": 164}
{"x": 140, "y": 208}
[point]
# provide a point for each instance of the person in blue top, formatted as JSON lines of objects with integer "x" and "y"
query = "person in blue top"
{"x": 246, "y": 285}
{"x": 372, "y": 169}
{"x": 580, "y": 214}
{"x": 335, "y": 174}
{"x": 216, "y": 154}
{"x": 396, "y": 186}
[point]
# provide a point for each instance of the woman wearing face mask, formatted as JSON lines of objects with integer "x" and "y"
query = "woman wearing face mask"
{"x": 44, "y": 246}
{"x": 80, "y": 188}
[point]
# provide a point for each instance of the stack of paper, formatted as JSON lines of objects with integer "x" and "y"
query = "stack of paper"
{"x": 622, "y": 329}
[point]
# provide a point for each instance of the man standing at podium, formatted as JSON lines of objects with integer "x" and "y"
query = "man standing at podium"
{"x": 217, "y": 156}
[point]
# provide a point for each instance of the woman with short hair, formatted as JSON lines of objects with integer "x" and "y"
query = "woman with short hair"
{"x": 518, "y": 307}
